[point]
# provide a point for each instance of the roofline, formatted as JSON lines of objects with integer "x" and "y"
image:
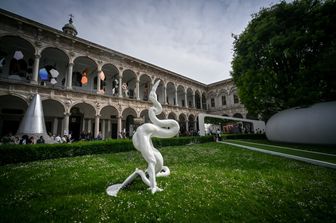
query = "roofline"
{"x": 121, "y": 55}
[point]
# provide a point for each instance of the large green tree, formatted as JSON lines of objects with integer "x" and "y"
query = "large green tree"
{"x": 286, "y": 57}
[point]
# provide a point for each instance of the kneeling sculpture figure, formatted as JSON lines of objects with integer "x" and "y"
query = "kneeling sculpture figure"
{"x": 143, "y": 143}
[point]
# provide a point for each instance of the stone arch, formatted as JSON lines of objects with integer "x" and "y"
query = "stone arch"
{"x": 144, "y": 116}
{"x": 172, "y": 115}
{"x": 170, "y": 98}
{"x": 128, "y": 116}
{"x": 204, "y": 101}
{"x": 109, "y": 86}
{"x": 190, "y": 97}
{"x": 181, "y": 96}
{"x": 212, "y": 99}
{"x": 129, "y": 79}
{"x": 78, "y": 113}
{"x": 12, "y": 110}
{"x": 183, "y": 123}
{"x": 53, "y": 111}
{"x": 144, "y": 86}
{"x": 84, "y": 66}
{"x": 20, "y": 69}
{"x": 109, "y": 121}
{"x": 54, "y": 58}
{"x": 198, "y": 99}
{"x": 192, "y": 123}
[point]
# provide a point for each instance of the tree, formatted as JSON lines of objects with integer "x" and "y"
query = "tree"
{"x": 286, "y": 57}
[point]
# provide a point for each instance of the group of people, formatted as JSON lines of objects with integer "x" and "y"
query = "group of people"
{"x": 23, "y": 140}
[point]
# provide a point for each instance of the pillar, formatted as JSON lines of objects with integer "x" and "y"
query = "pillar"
{"x": 69, "y": 78}
{"x": 119, "y": 124}
{"x": 185, "y": 99}
{"x": 36, "y": 68}
{"x": 194, "y": 101}
{"x": 165, "y": 94}
{"x": 96, "y": 130}
{"x": 109, "y": 128}
{"x": 98, "y": 82}
{"x": 83, "y": 126}
{"x": 103, "y": 128}
{"x": 120, "y": 84}
{"x": 55, "y": 126}
{"x": 137, "y": 86}
{"x": 66, "y": 123}
{"x": 201, "y": 100}
{"x": 89, "y": 126}
{"x": 176, "y": 101}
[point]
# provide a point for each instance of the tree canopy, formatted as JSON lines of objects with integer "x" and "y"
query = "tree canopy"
{"x": 286, "y": 57}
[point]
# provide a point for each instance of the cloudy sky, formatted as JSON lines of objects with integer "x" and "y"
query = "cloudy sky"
{"x": 189, "y": 37}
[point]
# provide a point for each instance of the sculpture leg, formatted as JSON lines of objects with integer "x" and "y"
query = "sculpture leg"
{"x": 152, "y": 177}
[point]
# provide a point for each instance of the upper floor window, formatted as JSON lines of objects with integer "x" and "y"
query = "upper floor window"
{"x": 235, "y": 99}
{"x": 223, "y": 100}
{"x": 212, "y": 102}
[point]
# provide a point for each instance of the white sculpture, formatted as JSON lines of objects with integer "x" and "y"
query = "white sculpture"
{"x": 143, "y": 143}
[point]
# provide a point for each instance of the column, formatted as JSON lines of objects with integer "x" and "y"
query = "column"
{"x": 96, "y": 130}
{"x": 109, "y": 128}
{"x": 176, "y": 101}
{"x": 119, "y": 124}
{"x": 66, "y": 124}
{"x": 83, "y": 126}
{"x": 137, "y": 86}
{"x": 201, "y": 99}
{"x": 89, "y": 126}
{"x": 185, "y": 99}
{"x": 69, "y": 77}
{"x": 103, "y": 128}
{"x": 165, "y": 94}
{"x": 194, "y": 101}
{"x": 120, "y": 84}
{"x": 36, "y": 68}
{"x": 98, "y": 82}
{"x": 55, "y": 126}
{"x": 195, "y": 125}
{"x": 187, "y": 125}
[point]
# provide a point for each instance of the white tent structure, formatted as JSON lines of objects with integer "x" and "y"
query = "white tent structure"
{"x": 257, "y": 125}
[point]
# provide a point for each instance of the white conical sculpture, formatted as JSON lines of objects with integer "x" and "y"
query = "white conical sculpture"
{"x": 33, "y": 120}
{"x": 143, "y": 143}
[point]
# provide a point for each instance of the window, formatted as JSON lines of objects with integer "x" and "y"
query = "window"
{"x": 212, "y": 102}
{"x": 235, "y": 99}
{"x": 223, "y": 100}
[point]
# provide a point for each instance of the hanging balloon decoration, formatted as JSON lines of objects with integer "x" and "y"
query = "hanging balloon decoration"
{"x": 84, "y": 79}
{"x": 44, "y": 74}
{"x": 101, "y": 75}
{"x": 54, "y": 74}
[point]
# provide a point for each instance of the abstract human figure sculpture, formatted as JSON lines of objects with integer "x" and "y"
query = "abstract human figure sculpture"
{"x": 143, "y": 143}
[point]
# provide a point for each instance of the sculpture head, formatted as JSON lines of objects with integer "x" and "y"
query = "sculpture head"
{"x": 152, "y": 94}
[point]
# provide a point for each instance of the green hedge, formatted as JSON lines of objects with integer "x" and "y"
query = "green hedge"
{"x": 10, "y": 153}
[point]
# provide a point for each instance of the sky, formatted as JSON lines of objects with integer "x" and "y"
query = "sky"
{"x": 190, "y": 37}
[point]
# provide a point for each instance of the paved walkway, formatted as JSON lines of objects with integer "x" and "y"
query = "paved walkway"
{"x": 307, "y": 160}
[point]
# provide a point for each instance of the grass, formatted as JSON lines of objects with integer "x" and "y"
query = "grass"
{"x": 317, "y": 148}
{"x": 209, "y": 183}
{"x": 289, "y": 149}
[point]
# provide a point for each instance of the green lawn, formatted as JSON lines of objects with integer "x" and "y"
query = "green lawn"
{"x": 209, "y": 183}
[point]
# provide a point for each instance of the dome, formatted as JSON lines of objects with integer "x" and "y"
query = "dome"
{"x": 69, "y": 28}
